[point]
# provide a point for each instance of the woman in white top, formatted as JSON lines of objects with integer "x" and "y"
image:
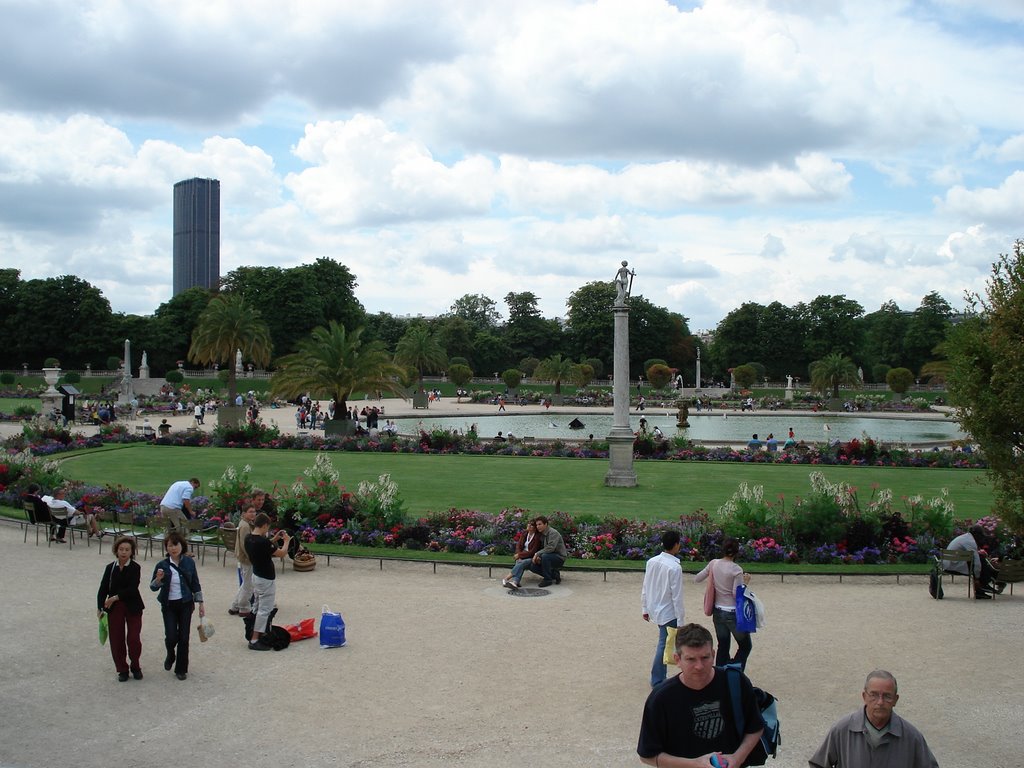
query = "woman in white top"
{"x": 728, "y": 576}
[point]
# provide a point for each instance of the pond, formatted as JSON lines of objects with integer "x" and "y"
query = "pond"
{"x": 727, "y": 427}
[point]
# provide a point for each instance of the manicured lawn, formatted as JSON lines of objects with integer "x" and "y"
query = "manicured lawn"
{"x": 9, "y": 404}
{"x": 491, "y": 483}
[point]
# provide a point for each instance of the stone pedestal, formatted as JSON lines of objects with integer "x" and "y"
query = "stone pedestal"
{"x": 51, "y": 398}
{"x": 620, "y": 460}
{"x": 789, "y": 395}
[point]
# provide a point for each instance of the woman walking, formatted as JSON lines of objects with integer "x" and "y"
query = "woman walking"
{"x": 177, "y": 581}
{"x": 728, "y": 576}
{"x": 119, "y": 597}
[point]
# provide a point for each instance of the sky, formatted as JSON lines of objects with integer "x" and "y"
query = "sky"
{"x": 729, "y": 150}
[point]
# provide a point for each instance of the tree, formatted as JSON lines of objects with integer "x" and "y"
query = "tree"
{"x": 832, "y": 324}
{"x": 557, "y": 369}
{"x": 296, "y": 300}
{"x": 460, "y": 375}
{"x": 512, "y": 377}
{"x": 581, "y": 375}
{"x": 419, "y": 349}
{"x": 478, "y": 310}
{"x": 333, "y": 363}
{"x": 745, "y": 376}
{"x": 833, "y": 371}
{"x": 659, "y": 375}
{"x": 926, "y": 330}
{"x": 986, "y": 381}
{"x": 228, "y": 324}
{"x": 526, "y": 333}
{"x": 899, "y": 380}
{"x": 884, "y": 331}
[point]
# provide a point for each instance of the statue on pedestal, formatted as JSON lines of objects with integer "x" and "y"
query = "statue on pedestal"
{"x": 623, "y": 284}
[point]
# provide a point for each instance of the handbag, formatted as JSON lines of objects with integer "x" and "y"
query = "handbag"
{"x": 104, "y": 627}
{"x": 709, "y": 591}
{"x": 332, "y": 629}
{"x": 301, "y": 631}
{"x": 670, "y": 645}
{"x": 746, "y": 613}
{"x": 759, "y": 610}
{"x": 205, "y": 629}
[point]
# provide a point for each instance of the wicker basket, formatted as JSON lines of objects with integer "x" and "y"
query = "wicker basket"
{"x": 304, "y": 561}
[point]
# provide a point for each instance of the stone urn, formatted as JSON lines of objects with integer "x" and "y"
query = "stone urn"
{"x": 51, "y": 376}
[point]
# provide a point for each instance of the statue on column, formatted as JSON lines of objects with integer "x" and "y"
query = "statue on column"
{"x": 623, "y": 284}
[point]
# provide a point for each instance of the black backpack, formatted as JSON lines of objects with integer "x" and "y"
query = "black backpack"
{"x": 277, "y": 638}
{"x": 250, "y": 623}
{"x": 771, "y": 737}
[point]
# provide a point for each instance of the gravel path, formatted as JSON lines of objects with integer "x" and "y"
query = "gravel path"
{"x": 447, "y": 669}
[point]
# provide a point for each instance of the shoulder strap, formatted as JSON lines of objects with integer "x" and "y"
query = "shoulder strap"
{"x": 732, "y": 675}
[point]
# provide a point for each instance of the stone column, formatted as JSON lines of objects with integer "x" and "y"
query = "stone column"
{"x": 620, "y": 440}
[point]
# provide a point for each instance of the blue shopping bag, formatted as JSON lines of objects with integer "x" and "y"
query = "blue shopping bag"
{"x": 332, "y": 629}
{"x": 746, "y": 613}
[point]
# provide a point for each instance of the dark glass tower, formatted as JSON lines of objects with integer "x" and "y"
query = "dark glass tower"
{"x": 196, "y": 234}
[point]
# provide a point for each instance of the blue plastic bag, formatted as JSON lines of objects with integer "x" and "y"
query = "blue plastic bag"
{"x": 332, "y": 629}
{"x": 746, "y": 613}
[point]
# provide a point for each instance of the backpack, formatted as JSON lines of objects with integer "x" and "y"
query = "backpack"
{"x": 771, "y": 737}
{"x": 277, "y": 638}
{"x": 250, "y": 622}
{"x": 935, "y": 580}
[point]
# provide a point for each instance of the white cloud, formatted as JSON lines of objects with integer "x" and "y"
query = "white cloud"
{"x": 1000, "y": 205}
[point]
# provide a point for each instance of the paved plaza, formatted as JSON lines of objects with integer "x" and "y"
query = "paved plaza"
{"x": 447, "y": 669}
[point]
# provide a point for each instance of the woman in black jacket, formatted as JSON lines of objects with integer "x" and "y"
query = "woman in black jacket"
{"x": 119, "y": 596}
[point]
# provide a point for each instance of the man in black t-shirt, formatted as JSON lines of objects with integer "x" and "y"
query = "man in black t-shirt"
{"x": 689, "y": 717}
{"x": 262, "y": 552}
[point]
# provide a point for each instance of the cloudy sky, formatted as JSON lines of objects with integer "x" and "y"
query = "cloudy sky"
{"x": 730, "y": 150}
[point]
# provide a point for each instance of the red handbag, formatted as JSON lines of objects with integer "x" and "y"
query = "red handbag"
{"x": 304, "y": 630}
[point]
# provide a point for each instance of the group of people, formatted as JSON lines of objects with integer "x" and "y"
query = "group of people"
{"x": 61, "y": 513}
{"x": 690, "y": 719}
{"x": 771, "y": 443}
{"x": 175, "y": 579}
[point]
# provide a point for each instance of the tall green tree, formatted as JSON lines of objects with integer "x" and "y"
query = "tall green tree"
{"x": 526, "y": 332}
{"x": 332, "y": 364}
{"x": 926, "y": 330}
{"x": 986, "y": 380}
{"x": 479, "y": 310}
{"x": 63, "y": 317}
{"x": 420, "y": 349}
{"x": 831, "y": 324}
{"x": 833, "y": 371}
{"x": 228, "y": 324}
{"x": 884, "y": 331}
{"x": 296, "y": 300}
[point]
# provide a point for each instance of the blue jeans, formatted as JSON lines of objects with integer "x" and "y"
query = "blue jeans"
{"x": 658, "y": 668}
{"x": 725, "y": 630}
{"x": 519, "y": 568}
{"x": 550, "y": 565}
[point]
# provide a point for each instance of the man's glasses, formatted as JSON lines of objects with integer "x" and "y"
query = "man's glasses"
{"x": 876, "y": 696}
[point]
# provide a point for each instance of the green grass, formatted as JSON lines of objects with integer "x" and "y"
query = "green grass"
{"x": 491, "y": 483}
{"x": 11, "y": 404}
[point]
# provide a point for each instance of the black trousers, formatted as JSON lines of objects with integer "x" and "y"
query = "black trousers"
{"x": 177, "y": 622}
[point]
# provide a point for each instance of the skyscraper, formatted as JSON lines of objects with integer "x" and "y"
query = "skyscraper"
{"x": 196, "y": 234}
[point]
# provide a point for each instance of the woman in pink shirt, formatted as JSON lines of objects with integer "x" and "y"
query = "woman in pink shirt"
{"x": 728, "y": 576}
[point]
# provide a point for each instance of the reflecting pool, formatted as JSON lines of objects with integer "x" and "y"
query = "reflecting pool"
{"x": 725, "y": 426}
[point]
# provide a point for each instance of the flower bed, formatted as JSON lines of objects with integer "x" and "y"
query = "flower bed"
{"x": 828, "y": 525}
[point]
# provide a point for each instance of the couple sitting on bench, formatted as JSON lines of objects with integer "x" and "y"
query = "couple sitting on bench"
{"x": 541, "y": 550}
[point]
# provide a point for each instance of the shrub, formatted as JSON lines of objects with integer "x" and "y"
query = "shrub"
{"x": 6, "y": 378}
{"x": 51, "y": 362}
{"x": 174, "y": 376}
{"x": 72, "y": 378}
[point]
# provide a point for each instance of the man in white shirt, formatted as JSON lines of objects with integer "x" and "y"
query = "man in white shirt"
{"x": 176, "y": 505}
{"x": 662, "y": 598}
